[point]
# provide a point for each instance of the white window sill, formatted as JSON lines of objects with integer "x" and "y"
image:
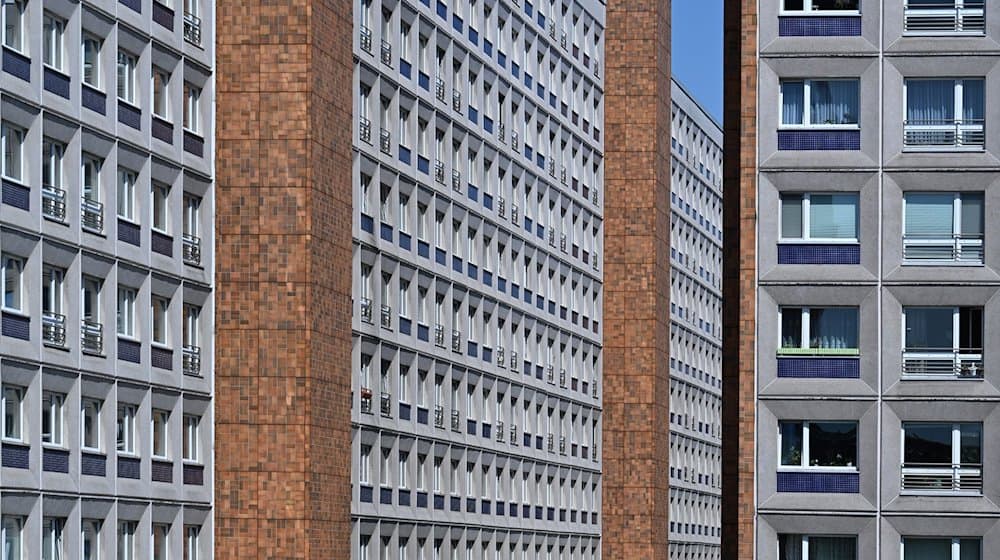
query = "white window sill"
{"x": 817, "y": 127}
{"x": 18, "y": 312}
{"x": 841, "y": 470}
{"x": 815, "y": 241}
{"x": 13, "y": 441}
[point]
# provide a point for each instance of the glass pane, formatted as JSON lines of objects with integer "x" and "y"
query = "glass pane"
{"x": 926, "y": 549}
{"x": 929, "y": 215}
{"x": 970, "y": 328}
{"x": 930, "y": 102}
{"x": 792, "y": 102}
{"x": 791, "y": 216}
{"x": 973, "y": 100}
{"x": 791, "y": 327}
{"x": 929, "y": 328}
{"x": 972, "y": 214}
{"x": 790, "y": 546}
{"x": 835, "y": 327}
{"x": 833, "y": 216}
{"x": 971, "y": 442}
{"x": 791, "y": 443}
{"x": 835, "y": 5}
{"x": 834, "y": 102}
{"x": 927, "y": 443}
{"x": 832, "y": 548}
{"x": 793, "y": 5}
{"x": 833, "y": 444}
{"x": 971, "y": 549}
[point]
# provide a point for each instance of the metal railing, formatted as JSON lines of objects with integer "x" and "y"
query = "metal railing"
{"x": 593, "y": 197}
{"x": 944, "y": 133}
{"x": 500, "y": 356}
{"x": 366, "y": 39}
{"x": 552, "y": 168}
{"x": 191, "y": 248}
{"x": 938, "y": 477}
{"x": 594, "y": 389}
{"x": 552, "y": 237}
{"x": 192, "y": 29}
{"x": 385, "y": 141}
{"x": 439, "y": 335}
{"x": 513, "y": 213}
{"x": 944, "y": 19}
{"x": 54, "y": 203}
{"x": 562, "y": 242}
{"x": 439, "y": 171}
{"x": 514, "y": 141}
{"x": 502, "y": 207}
{"x": 365, "y": 130}
{"x": 439, "y": 89}
{"x": 53, "y": 329}
{"x": 501, "y": 132}
{"x": 456, "y": 100}
{"x": 92, "y": 215}
{"x": 438, "y": 416}
{"x": 551, "y": 443}
{"x": 191, "y": 359}
{"x": 513, "y": 434}
{"x": 456, "y": 421}
{"x": 562, "y": 40}
{"x": 593, "y": 262}
{"x": 91, "y": 337}
{"x": 456, "y": 180}
{"x": 966, "y": 363}
{"x": 597, "y": 70}
{"x": 366, "y": 400}
{"x": 562, "y": 445}
{"x": 501, "y": 433}
{"x": 563, "y": 175}
{"x": 456, "y": 341}
{"x": 552, "y": 29}
{"x": 957, "y": 248}
{"x": 386, "y": 317}
{"x": 385, "y": 405}
{"x": 550, "y": 374}
{"x": 562, "y": 378}
{"x": 366, "y": 310}
{"x": 386, "y": 52}
{"x": 593, "y": 453}
{"x": 514, "y": 365}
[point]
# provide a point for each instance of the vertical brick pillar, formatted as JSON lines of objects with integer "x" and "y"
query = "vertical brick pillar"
{"x": 636, "y": 423}
{"x": 739, "y": 214}
{"x": 283, "y": 198}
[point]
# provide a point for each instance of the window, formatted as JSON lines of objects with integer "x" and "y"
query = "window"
{"x": 126, "y": 311}
{"x": 826, "y": 103}
{"x": 52, "y": 418}
{"x": 126, "y": 428}
{"x": 126, "y": 194}
{"x": 814, "y": 547}
{"x": 192, "y": 108}
{"x": 52, "y": 538}
{"x": 126, "y": 540}
{"x": 159, "y": 423}
{"x": 92, "y": 61}
{"x": 819, "y": 330}
{"x": 944, "y": 112}
{"x": 191, "y": 542}
{"x": 404, "y": 468}
{"x": 12, "y": 282}
{"x": 90, "y": 539}
{"x": 383, "y": 475}
{"x": 13, "y": 24}
{"x": 830, "y": 445}
{"x": 919, "y": 548}
{"x": 825, "y": 6}
{"x": 160, "y": 207}
{"x": 364, "y": 472}
{"x": 91, "y": 180}
{"x": 191, "y": 325}
{"x": 90, "y": 425}
{"x": 942, "y": 457}
{"x": 192, "y": 215}
{"x": 91, "y": 299}
{"x": 52, "y": 159}
{"x": 191, "y": 438}
{"x": 160, "y": 532}
{"x": 13, "y": 405}
{"x": 52, "y": 41}
{"x": 943, "y": 342}
{"x": 52, "y": 292}
{"x": 160, "y": 82}
{"x": 943, "y": 226}
{"x": 126, "y": 76}
{"x": 12, "y": 139}
{"x": 12, "y": 526}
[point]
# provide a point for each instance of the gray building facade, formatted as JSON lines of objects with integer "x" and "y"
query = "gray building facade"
{"x": 106, "y": 237}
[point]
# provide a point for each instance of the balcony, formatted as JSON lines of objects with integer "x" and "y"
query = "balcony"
{"x": 54, "y": 203}
{"x": 456, "y": 180}
{"x": 92, "y": 215}
{"x": 386, "y": 53}
{"x": 192, "y": 29}
{"x": 456, "y": 341}
{"x": 943, "y": 363}
{"x": 366, "y": 310}
{"x": 91, "y": 337}
{"x": 456, "y": 100}
{"x": 385, "y": 405}
{"x": 439, "y": 335}
{"x": 53, "y": 329}
{"x": 438, "y": 416}
{"x": 961, "y": 134}
{"x": 439, "y": 171}
{"x": 960, "y": 248}
{"x": 386, "y": 318}
{"x": 191, "y": 359}
{"x": 456, "y": 421}
{"x": 366, "y": 400}
{"x": 500, "y": 356}
{"x": 191, "y": 249}
{"x": 365, "y": 130}
{"x": 385, "y": 141}
{"x": 945, "y": 19}
{"x": 439, "y": 89}
{"x": 965, "y": 478}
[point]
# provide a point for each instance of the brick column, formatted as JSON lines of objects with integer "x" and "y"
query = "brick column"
{"x": 283, "y": 198}
{"x": 739, "y": 280}
{"x": 636, "y": 423}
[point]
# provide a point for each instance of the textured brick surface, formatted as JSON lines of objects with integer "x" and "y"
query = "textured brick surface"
{"x": 283, "y": 307}
{"x": 637, "y": 281}
{"x": 738, "y": 283}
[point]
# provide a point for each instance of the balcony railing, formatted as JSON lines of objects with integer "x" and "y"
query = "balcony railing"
{"x": 514, "y": 365}
{"x": 957, "y": 248}
{"x": 937, "y": 477}
{"x": 550, "y": 374}
{"x": 439, "y": 89}
{"x": 594, "y": 389}
{"x": 439, "y": 335}
{"x": 365, "y": 130}
{"x": 552, "y": 168}
{"x": 53, "y": 329}
{"x": 385, "y": 405}
{"x": 386, "y": 52}
{"x": 513, "y": 434}
{"x": 514, "y": 141}
{"x": 191, "y": 246}
{"x": 366, "y": 310}
{"x": 456, "y": 100}
{"x": 385, "y": 141}
{"x": 944, "y": 19}
{"x": 439, "y": 171}
{"x": 562, "y": 378}
{"x": 513, "y": 213}
{"x": 192, "y": 29}
{"x": 456, "y": 341}
{"x": 562, "y": 40}
{"x": 54, "y": 203}
{"x": 92, "y": 215}
{"x": 191, "y": 359}
{"x": 500, "y": 356}
{"x": 386, "y": 319}
{"x": 562, "y": 242}
{"x": 456, "y": 421}
{"x": 562, "y": 445}
{"x": 502, "y": 207}
{"x": 501, "y": 433}
{"x": 438, "y": 416}
{"x": 965, "y": 363}
{"x": 943, "y": 133}
{"x": 594, "y": 262}
{"x": 456, "y": 180}
{"x": 91, "y": 337}
{"x": 563, "y": 175}
{"x": 551, "y": 443}
{"x": 501, "y": 132}
{"x": 552, "y": 29}
{"x": 366, "y": 39}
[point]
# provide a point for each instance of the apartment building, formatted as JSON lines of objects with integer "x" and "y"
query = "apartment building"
{"x": 862, "y": 276}
{"x": 106, "y": 259}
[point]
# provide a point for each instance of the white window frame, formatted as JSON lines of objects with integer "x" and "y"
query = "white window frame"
{"x": 806, "y": 333}
{"x": 956, "y": 226}
{"x": 88, "y": 407}
{"x": 958, "y": 84}
{"x": 52, "y": 162}
{"x": 53, "y": 47}
{"x": 192, "y": 108}
{"x": 956, "y": 542}
{"x": 12, "y": 265}
{"x": 52, "y": 280}
{"x": 53, "y": 407}
{"x": 52, "y": 532}
{"x": 807, "y": 104}
{"x": 90, "y": 529}
{"x": 191, "y": 534}
{"x": 159, "y": 533}
{"x": 126, "y": 540}
{"x": 91, "y": 43}
{"x": 126, "y": 194}
{"x": 160, "y": 204}
{"x": 192, "y": 439}
{"x": 126, "y": 312}
{"x": 125, "y": 426}
{"x": 17, "y": 43}
{"x": 126, "y": 76}
{"x": 14, "y": 523}
{"x": 159, "y": 92}
{"x": 12, "y": 141}
{"x": 804, "y": 460}
{"x": 807, "y": 10}
{"x": 404, "y": 468}
{"x": 159, "y": 432}
{"x": 17, "y": 429}
{"x": 807, "y": 220}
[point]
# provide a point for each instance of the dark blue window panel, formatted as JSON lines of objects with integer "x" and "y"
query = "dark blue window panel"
{"x": 515, "y": 291}
{"x": 562, "y": 515}
{"x": 426, "y": 3}
{"x": 421, "y": 499}
{"x": 438, "y": 501}
{"x": 487, "y": 47}
{"x": 825, "y": 483}
{"x": 15, "y": 326}
{"x": 470, "y": 427}
{"x": 421, "y": 415}
{"x": 424, "y": 81}
{"x": 550, "y": 514}
{"x": 405, "y": 241}
{"x": 405, "y": 155}
{"x": 552, "y": 101}
{"x": 473, "y": 114}
{"x": 366, "y": 494}
{"x": 540, "y": 160}
{"x": 367, "y": 223}
{"x": 456, "y": 263}
{"x": 819, "y": 140}
{"x": 470, "y": 505}
{"x": 93, "y": 99}
{"x": 442, "y": 10}
{"x": 528, "y": 295}
{"x": 819, "y": 368}
{"x": 128, "y": 350}
{"x": 485, "y": 507}
{"x": 162, "y": 471}
{"x": 540, "y": 231}
{"x": 129, "y": 115}
{"x": 540, "y": 302}
{"x": 473, "y": 192}
{"x": 129, "y": 467}
{"x": 593, "y": 518}
{"x": 501, "y": 284}
{"x": 405, "y": 326}
{"x": 487, "y": 278}
{"x": 55, "y": 460}
{"x": 93, "y": 464}
{"x": 539, "y": 373}
{"x": 528, "y": 8}
{"x": 163, "y": 15}
{"x": 540, "y": 91}
{"x": 527, "y": 440}
{"x": 487, "y": 430}
{"x": 16, "y": 195}
{"x": 403, "y": 497}
{"x": 456, "y": 503}
{"x": 161, "y": 358}
{"x": 14, "y": 456}
{"x": 423, "y": 164}
{"x": 404, "y": 411}
{"x": 562, "y": 312}
{"x": 55, "y": 82}
{"x": 440, "y": 256}
{"x": 16, "y": 64}
{"x": 423, "y": 332}
{"x": 473, "y": 271}
{"x": 488, "y": 124}
{"x": 822, "y": 26}
{"x": 487, "y": 354}
{"x": 538, "y": 512}
{"x": 488, "y": 201}
{"x": 405, "y": 68}
{"x": 456, "y": 22}
{"x": 527, "y": 80}
{"x": 538, "y": 441}
{"x": 135, "y": 5}
{"x": 162, "y": 130}
{"x": 525, "y": 511}
{"x": 541, "y": 20}
{"x": 529, "y": 224}
{"x": 194, "y": 144}
{"x": 473, "y": 36}
{"x": 194, "y": 475}
{"x": 385, "y": 231}
{"x": 552, "y": 307}
{"x": 162, "y": 244}
{"x": 515, "y": 69}
{"x": 789, "y": 253}
{"x": 501, "y": 59}
{"x": 572, "y": 516}
{"x": 385, "y": 495}
{"x": 423, "y": 249}
{"x": 129, "y": 232}
{"x": 473, "y": 349}
{"x": 500, "y": 508}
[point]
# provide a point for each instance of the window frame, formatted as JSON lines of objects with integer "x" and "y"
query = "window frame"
{"x": 125, "y": 324}
{"x": 159, "y": 431}
{"x": 159, "y": 91}
{"x": 191, "y": 444}
{"x": 126, "y": 181}
{"x": 95, "y": 406}
{"x": 18, "y": 419}
{"x": 807, "y": 10}
{"x": 53, "y": 408}
{"x": 18, "y": 44}
{"x": 956, "y": 544}
{"x": 126, "y": 77}
{"x": 192, "y": 108}
{"x": 10, "y": 132}
{"x": 53, "y": 528}
{"x": 807, "y": 104}
{"x": 805, "y": 455}
{"x": 8, "y": 262}
{"x": 159, "y": 207}
{"x": 53, "y": 42}
{"x": 125, "y": 428}
{"x": 956, "y": 229}
{"x": 804, "y": 542}
{"x": 6, "y": 521}
{"x": 97, "y": 45}
{"x": 159, "y": 321}
{"x": 159, "y": 533}
{"x": 805, "y": 334}
{"x": 53, "y": 156}
{"x": 126, "y": 539}
{"x": 92, "y": 527}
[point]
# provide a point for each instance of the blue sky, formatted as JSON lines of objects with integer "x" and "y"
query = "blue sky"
{"x": 697, "y": 51}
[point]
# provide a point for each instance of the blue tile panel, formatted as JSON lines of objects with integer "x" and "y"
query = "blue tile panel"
{"x": 793, "y": 253}
{"x": 819, "y": 368}
{"x": 366, "y": 494}
{"x": 367, "y": 223}
{"x": 162, "y": 130}
{"x": 163, "y": 471}
{"x": 129, "y": 115}
{"x": 821, "y": 26}
{"x": 93, "y": 464}
{"x": 18, "y": 196}
{"x": 819, "y": 482}
{"x": 421, "y": 499}
{"x": 93, "y": 99}
{"x": 163, "y": 15}
{"x": 56, "y": 82}
{"x": 194, "y": 475}
{"x": 128, "y": 350}
{"x": 129, "y": 232}
{"x": 55, "y": 460}
{"x": 162, "y": 243}
{"x": 16, "y": 64}
{"x": 14, "y": 456}
{"x": 129, "y": 467}
{"x": 819, "y": 140}
{"x": 15, "y": 326}
{"x": 194, "y": 144}
{"x": 161, "y": 358}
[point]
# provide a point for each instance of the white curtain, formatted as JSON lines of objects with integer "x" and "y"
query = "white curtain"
{"x": 834, "y": 102}
{"x": 789, "y": 547}
{"x": 930, "y": 101}
{"x": 833, "y": 327}
{"x": 832, "y": 548}
{"x": 792, "y": 102}
{"x": 973, "y": 100}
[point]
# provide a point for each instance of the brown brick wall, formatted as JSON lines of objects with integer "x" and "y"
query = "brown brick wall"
{"x": 636, "y": 423}
{"x": 739, "y": 280}
{"x": 283, "y": 197}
